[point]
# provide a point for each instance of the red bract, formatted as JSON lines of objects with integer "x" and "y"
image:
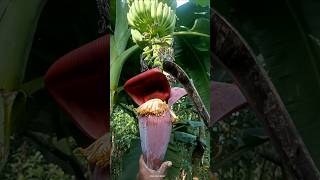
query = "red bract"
{"x": 78, "y": 82}
{"x": 148, "y": 85}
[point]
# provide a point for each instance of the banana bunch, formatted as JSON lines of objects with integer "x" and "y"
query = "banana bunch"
{"x": 171, "y": 3}
{"x": 152, "y": 24}
{"x": 130, "y": 2}
{"x": 151, "y": 16}
{"x": 155, "y": 54}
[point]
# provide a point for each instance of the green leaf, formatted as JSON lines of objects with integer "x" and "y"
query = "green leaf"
{"x": 118, "y": 43}
{"x": 192, "y": 47}
{"x": 115, "y": 71}
{"x": 131, "y": 159}
{"x": 185, "y": 137}
{"x": 281, "y": 39}
{"x": 180, "y": 156}
{"x": 18, "y": 22}
{"x": 195, "y": 124}
{"x": 32, "y": 86}
{"x": 201, "y": 2}
{"x": 192, "y": 54}
{"x": 188, "y": 13}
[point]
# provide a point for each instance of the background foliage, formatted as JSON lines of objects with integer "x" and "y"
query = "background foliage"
{"x": 61, "y": 26}
{"x": 280, "y": 33}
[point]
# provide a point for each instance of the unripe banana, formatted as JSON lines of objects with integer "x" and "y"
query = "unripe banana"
{"x": 147, "y": 4}
{"x": 151, "y": 20}
{"x": 169, "y": 18}
{"x": 142, "y": 8}
{"x": 136, "y": 36}
{"x": 137, "y": 7}
{"x": 171, "y": 27}
{"x": 165, "y": 11}
{"x": 154, "y": 9}
{"x": 130, "y": 21}
{"x": 157, "y": 63}
{"x": 134, "y": 15}
{"x": 159, "y": 13}
{"x": 130, "y": 2}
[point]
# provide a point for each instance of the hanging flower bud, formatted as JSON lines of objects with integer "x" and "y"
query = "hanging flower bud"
{"x": 152, "y": 92}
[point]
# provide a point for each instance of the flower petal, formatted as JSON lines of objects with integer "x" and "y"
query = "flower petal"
{"x": 78, "y": 82}
{"x": 155, "y": 134}
{"x": 225, "y": 99}
{"x": 176, "y": 94}
{"x": 148, "y": 85}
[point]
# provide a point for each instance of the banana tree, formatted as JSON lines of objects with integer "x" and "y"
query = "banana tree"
{"x": 157, "y": 39}
{"x": 18, "y": 23}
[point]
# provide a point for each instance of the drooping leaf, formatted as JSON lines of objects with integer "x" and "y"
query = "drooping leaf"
{"x": 281, "y": 38}
{"x": 18, "y": 22}
{"x": 195, "y": 124}
{"x": 236, "y": 56}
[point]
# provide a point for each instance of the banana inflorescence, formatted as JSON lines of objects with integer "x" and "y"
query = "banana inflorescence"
{"x": 152, "y": 23}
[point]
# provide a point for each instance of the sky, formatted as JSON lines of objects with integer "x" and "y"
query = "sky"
{"x": 181, "y": 2}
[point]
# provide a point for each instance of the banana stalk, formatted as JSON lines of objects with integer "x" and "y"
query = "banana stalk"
{"x": 152, "y": 24}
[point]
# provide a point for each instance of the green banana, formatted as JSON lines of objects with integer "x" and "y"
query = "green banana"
{"x": 159, "y": 13}
{"x": 136, "y": 36}
{"x": 154, "y": 9}
{"x": 130, "y": 2}
{"x": 171, "y": 27}
{"x": 147, "y": 5}
{"x": 142, "y": 8}
{"x": 169, "y": 18}
{"x": 130, "y": 21}
{"x": 165, "y": 11}
{"x": 151, "y": 21}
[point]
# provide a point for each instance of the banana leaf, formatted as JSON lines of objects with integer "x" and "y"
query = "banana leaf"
{"x": 279, "y": 33}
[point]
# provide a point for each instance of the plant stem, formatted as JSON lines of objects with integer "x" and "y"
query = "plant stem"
{"x": 6, "y": 104}
{"x": 190, "y": 33}
{"x": 115, "y": 71}
{"x": 177, "y": 72}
